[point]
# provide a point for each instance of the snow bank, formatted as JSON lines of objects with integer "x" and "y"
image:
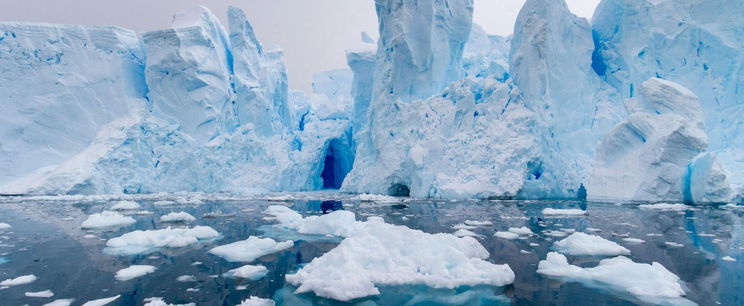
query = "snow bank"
{"x": 103, "y": 301}
{"x": 248, "y": 271}
{"x": 107, "y": 219}
{"x": 649, "y": 283}
{"x": 568, "y": 212}
{"x": 579, "y": 243}
{"x": 353, "y": 269}
{"x": 178, "y": 217}
{"x": 133, "y": 272}
{"x": 250, "y": 249}
{"x": 146, "y": 241}
{"x": 21, "y": 280}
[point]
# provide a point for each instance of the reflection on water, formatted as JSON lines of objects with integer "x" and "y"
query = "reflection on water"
{"x": 45, "y": 240}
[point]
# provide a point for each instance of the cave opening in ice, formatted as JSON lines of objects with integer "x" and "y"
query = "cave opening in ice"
{"x": 399, "y": 190}
{"x": 337, "y": 163}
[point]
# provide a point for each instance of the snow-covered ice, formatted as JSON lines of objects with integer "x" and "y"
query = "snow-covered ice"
{"x": 665, "y": 206}
{"x": 126, "y": 205}
{"x": 133, "y": 272}
{"x": 652, "y": 283}
{"x": 4, "y": 226}
{"x": 178, "y": 217}
{"x": 250, "y": 249}
{"x": 464, "y": 233}
{"x": 107, "y": 219}
{"x": 40, "y": 294}
{"x": 256, "y": 301}
{"x": 60, "y": 302}
{"x": 149, "y": 240}
{"x": 506, "y": 235}
{"x": 158, "y": 301}
{"x": 102, "y": 302}
{"x": 580, "y": 243}
{"x": 521, "y": 230}
{"x": 21, "y": 280}
{"x": 248, "y": 271}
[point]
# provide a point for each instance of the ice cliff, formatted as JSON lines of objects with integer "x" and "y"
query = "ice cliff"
{"x": 643, "y": 103}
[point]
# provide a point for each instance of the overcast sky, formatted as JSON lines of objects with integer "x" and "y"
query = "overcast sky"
{"x": 313, "y": 33}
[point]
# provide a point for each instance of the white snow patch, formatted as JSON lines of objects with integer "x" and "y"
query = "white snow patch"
{"x": 178, "y": 217}
{"x": 143, "y": 241}
{"x": 646, "y": 282}
{"x": 250, "y": 249}
{"x": 133, "y": 272}
{"x": 583, "y": 244}
{"x": 103, "y": 301}
{"x": 107, "y": 219}
{"x": 21, "y": 280}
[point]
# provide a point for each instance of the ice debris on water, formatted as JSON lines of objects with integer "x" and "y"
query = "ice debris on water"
{"x": 250, "y": 249}
{"x": 107, "y": 219}
{"x": 133, "y": 272}
{"x": 580, "y": 243}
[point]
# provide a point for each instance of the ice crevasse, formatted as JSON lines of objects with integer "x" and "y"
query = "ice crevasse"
{"x": 640, "y": 104}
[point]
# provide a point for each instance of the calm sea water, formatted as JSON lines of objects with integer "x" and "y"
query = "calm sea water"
{"x": 46, "y": 241}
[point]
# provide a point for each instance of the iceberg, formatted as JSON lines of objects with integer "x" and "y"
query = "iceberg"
{"x": 107, "y": 219}
{"x": 582, "y": 244}
{"x": 138, "y": 241}
{"x": 40, "y": 294}
{"x": 256, "y": 301}
{"x": 248, "y": 271}
{"x": 102, "y": 302}
{"x": 133, "y": 272}
{"x": 21, "y": 280}
{"x": 645, "y": 157}
{"x": 178, "y": 217}
{"x": 715, "y": 177}
{"x": 650, "y": 283}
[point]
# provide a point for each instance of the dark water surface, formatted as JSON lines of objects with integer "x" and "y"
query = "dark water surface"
{"x": 45, "y": 240}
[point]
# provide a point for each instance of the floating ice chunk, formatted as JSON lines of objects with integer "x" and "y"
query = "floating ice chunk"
{"x": 21, "y": 280}
{"x": 665, "y": 206}
{"x": 634, "y": 240}
{"x": 673, "y": 244}
{"x": 186, "y": 278}
{"x": 158, "y": 301}
{"x": 248, "y": 271}
{"x": 103, "y": 301}
{"x": 644, "y": 281}
{"x": 145, "y": 241}
{"x": 353, "y": 269}
{"x": 281, "y": 198}
{"x": 143, "y": 212}
{"x": 728, "y": 258}
{"x": 4, "y": 226}
{"x": 464, "y": 233}
{"x": 338, "y": 223}
{"x": 250, "y": 249}
{"x": 570, "y": 211}
{"x": 178, "y": 217}
{"x": 583, "y": 244}
{"x": 521, "y": 230}
{"x": 126, "y": 205}
{"x": 60, "y": 302}
{"x": 366, "y": 197}
{"x": 463, "y": 226}
{"x": 556, "y": 233}
{"x": 506, "y": 235}
{"x": 256, "y": 301}
{"x": 163, "y": 203}
{"x": 107, "y": 219}
{"x": 591, "y": 229}
{"x": 40, "y": 294}
{"x": 133, "y": 272}
{"x": 478, "y": 223}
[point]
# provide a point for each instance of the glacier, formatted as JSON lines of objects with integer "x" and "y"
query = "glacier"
{"x": 640, "y": 103}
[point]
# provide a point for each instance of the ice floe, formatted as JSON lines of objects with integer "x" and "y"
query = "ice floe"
{"x": 4, "y": 226}
{"x": 728, "y": 258}
{"x": 186, "y": 278}
{"x": 506, "y": 235}
{"x": 145, "y": 241}
{"x": 256, "y": 301}
{"x": 521, "y": 230}
{"x": 40, "y": 294}
{"x": 178, "y": 217}
{"x": 107, "y": 219}
{"x": 366, "y": 197}
{"x": 478, "y": 223}
{"x": 651, "y": 283}
{"x": 250, "y": 249}
{"x": 126, "y": 205}
{"x": 133, "y": 272}
{"x": 580, "y": 243}
{"x": 248, "y": 271}
{"x": 378, "y": 253}
{"x": 634, "y": 240}
{"x": 465, "y": 233}
{"x": 60, "y": 302}
{"x": 339, "y": 223}
{"x": 158, "y": 301}
{"x": 664, "y": 206}
{"x": 557, "y": 212}
{"x": 21, "y": 280}
{"x": 103, "y": 301}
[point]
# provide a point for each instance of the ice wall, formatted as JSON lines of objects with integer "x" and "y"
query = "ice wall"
{"x": 56, "y": 84}
{"x": 696, "y": 43}
{"x": 645, "y": 157}
{"x": 550, "y": 62}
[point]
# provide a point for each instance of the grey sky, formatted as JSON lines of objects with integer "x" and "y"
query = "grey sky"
{"x": 313, "y": 33}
